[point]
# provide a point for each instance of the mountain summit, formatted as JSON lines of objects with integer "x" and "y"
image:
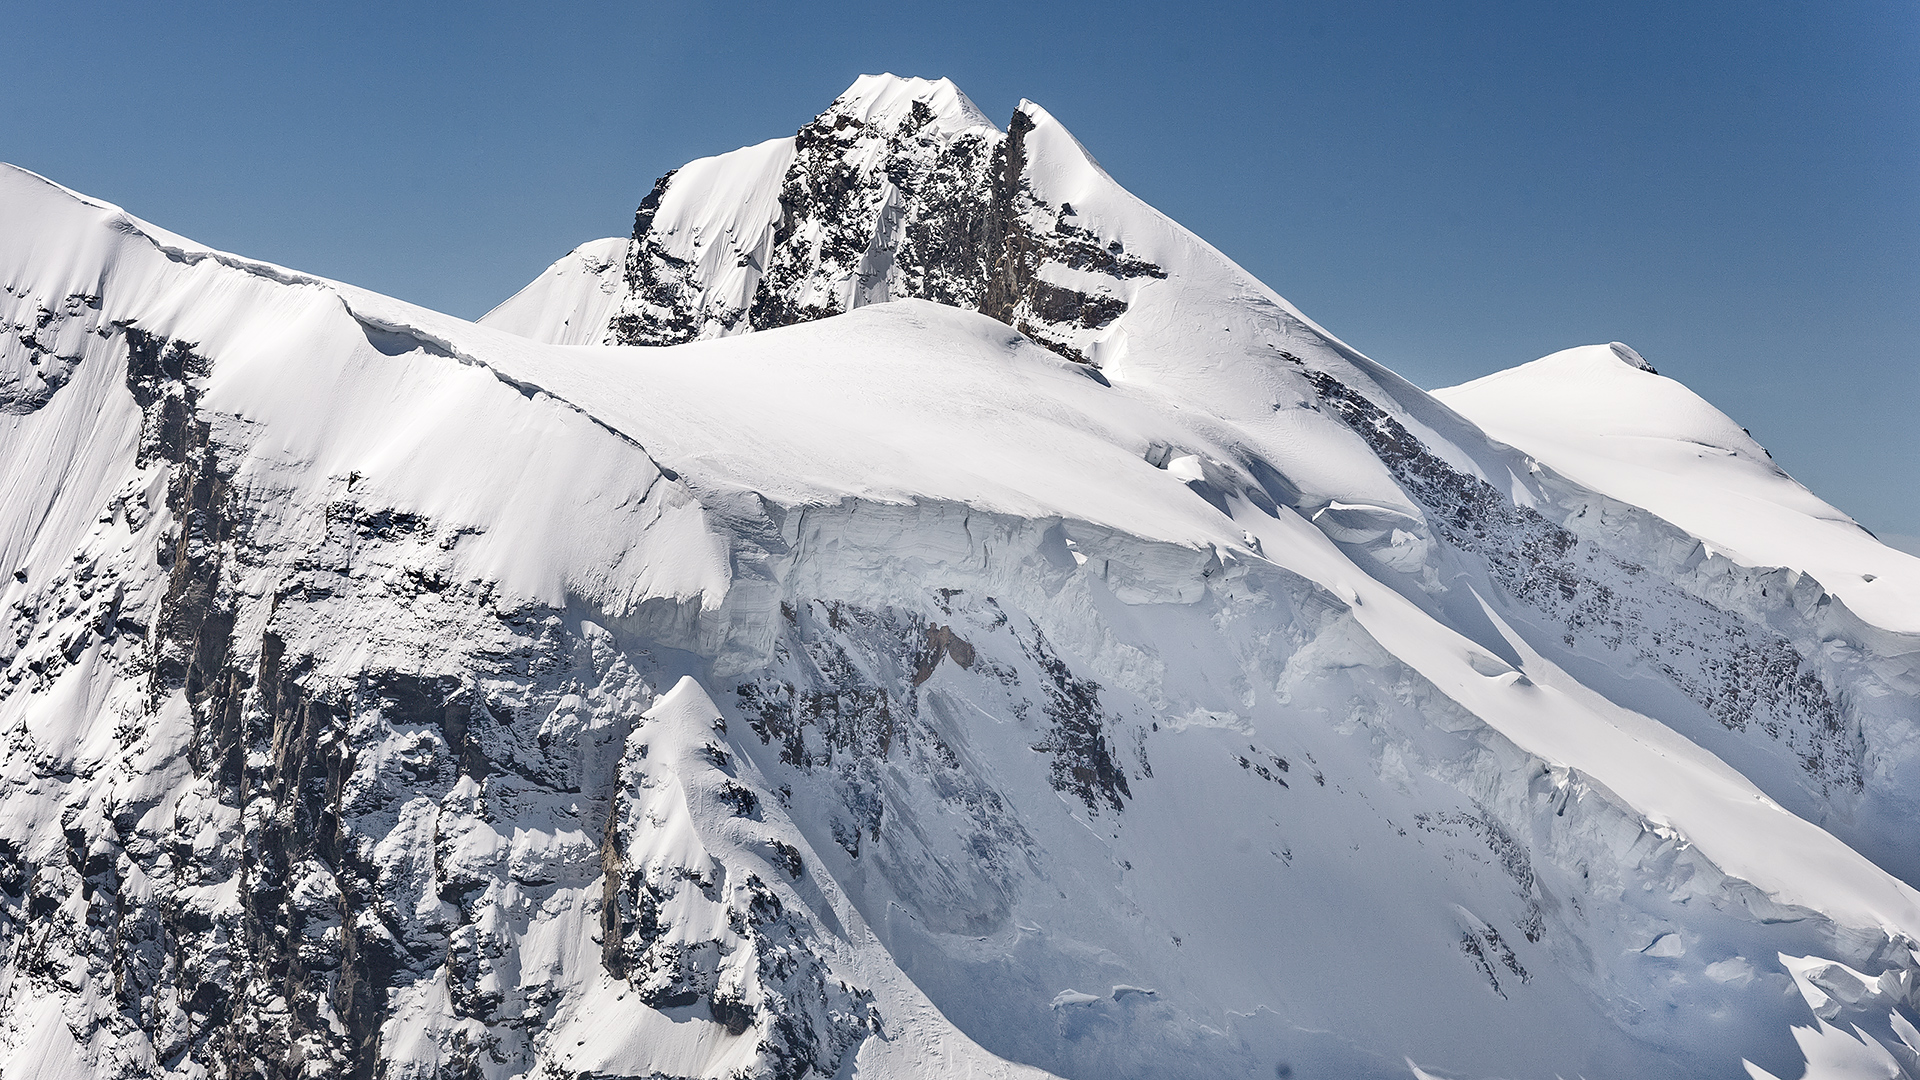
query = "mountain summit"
{"x": 911, "y": 609}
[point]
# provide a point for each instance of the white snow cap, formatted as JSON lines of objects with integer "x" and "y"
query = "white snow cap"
{"x": 1602, "y": 417}
{"x": 888, "y": 98}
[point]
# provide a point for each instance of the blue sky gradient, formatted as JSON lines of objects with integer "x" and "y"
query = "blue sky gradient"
{"x": 1731, "y": 188}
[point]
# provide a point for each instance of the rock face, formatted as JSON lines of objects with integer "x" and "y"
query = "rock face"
{"x": 902, "y": 188}
{"x": 1051, "y": 654}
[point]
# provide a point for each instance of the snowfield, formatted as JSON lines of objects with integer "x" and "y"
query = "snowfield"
{"x": 1600, "y": 416}
{"x": 911, "y": 610}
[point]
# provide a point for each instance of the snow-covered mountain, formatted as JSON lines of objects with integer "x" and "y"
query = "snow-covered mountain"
{"x": 1603, "y": 417}
{"x": 910, "y": 610}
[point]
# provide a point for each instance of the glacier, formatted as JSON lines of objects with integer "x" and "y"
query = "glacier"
{"x": 910, "y": 609}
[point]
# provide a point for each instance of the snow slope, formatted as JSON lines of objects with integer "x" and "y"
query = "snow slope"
{"x": 1600, "y": 416}
{"x": 1065, "y": 657}
{"x": 900, "y": 189}
{"x": 571, "y": 303}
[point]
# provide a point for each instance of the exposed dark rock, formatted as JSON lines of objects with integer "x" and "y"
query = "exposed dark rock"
{"x": 1082, "y": 762}
{"x": 943, "y": 216}
{"x": 656, "y": 282}
{"x": 32, "y": 367}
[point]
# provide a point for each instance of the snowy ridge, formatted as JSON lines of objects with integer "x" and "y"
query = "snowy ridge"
{"x": 1066, "y": 657}
{"x": 1616, "y": 426}
{"x": 570, "y": 303}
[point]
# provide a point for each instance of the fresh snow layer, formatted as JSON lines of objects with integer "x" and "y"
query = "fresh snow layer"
{"x": 1594, "y": 416}
{"x": 571, "y": 303}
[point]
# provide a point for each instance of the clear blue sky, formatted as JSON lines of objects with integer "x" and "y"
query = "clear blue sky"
{"x": 1733, "y": 188}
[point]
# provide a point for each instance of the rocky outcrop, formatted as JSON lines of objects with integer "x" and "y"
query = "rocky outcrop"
{"x": 900, "y": 189}
{"x": 38, "y": 353}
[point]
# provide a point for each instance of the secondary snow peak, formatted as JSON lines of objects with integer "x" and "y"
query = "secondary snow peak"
{"x": 1617, "y": 427}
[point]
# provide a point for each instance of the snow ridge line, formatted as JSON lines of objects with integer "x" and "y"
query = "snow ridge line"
{"x": 435, "y": 345}
{"x": 426, "y": 341}
{"x": 279, "y": 275}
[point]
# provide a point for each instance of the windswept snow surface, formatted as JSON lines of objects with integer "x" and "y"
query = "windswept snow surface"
{"x": 570, "y": 303}
{"x": 1001, "y": 638}
{"x": 1615, "y": 426}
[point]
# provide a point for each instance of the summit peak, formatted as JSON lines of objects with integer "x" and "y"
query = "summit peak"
{"x": 889, "y": 97}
